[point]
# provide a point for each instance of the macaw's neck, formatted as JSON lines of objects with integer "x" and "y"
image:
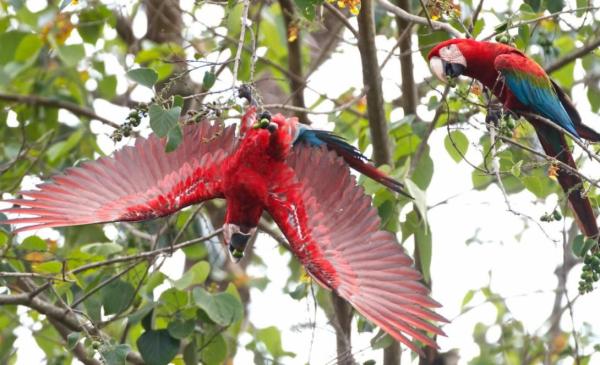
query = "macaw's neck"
{"x": 480, "y": 58}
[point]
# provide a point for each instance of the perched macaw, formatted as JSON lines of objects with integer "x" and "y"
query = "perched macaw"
{"x": 523, "y": 86}
{"x": 300, "y": 176}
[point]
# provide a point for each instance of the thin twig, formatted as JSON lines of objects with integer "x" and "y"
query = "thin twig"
{"x": 54, "y": 103}
{"x": 238, "y": 55}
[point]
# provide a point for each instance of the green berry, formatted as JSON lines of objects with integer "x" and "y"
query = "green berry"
{"x": 510, "y": 123}
{"x": 117, "y": 136}
{"x": 556, "y": 215}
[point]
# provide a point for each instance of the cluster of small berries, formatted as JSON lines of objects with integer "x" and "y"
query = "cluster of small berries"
{"x": 590, "y": 272}
{"x": 550, "y": 217}
{"x": 507, "y": 125}
{"x": 133, "y": 120}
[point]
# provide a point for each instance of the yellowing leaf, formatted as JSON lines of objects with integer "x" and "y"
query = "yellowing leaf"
{"x": 292, "y": 33}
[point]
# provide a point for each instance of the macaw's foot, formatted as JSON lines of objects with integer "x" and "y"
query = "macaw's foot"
{"x": 494, "y": 115}
{"x": 245, "y": 91}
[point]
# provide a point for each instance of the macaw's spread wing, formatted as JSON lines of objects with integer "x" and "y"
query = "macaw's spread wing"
{"x": 334, "y": 231}
{"x": 533, "y": 88}
{"x": 138, "y": 183}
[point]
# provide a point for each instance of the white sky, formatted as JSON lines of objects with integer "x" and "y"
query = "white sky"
{"x": 522, "y": 269}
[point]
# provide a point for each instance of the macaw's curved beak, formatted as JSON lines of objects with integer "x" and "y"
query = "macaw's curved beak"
{"x": 444, "y": 70}
{"x": 236, "y": 239}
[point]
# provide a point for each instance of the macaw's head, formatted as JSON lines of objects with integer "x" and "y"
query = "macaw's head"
{"x": 237, "y": 238}
{"x": 447, "y": 59}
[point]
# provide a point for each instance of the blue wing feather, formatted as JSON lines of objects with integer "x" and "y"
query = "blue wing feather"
{"x": 316, "y": 138}
{"x": 538, "y": 94}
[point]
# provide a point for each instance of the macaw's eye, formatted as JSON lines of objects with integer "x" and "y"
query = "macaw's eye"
{"x": 272, "y": 127}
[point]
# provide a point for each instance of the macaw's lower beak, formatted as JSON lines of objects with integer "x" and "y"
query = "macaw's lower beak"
{"x": 453, "y": 69}
{"x": 236, "y": 239}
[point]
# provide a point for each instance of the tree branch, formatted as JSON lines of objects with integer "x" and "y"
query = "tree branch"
{"x": 372, "y": 83}
{"x": 578, "y": 53}
{"x": 54, "y": 103}
{"x": 436, "y": 25}
{"x": 294, "y": 59}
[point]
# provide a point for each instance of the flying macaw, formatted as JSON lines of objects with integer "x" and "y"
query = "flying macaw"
{"x": 300, "y": 176}
{"x": 523, "y": 86}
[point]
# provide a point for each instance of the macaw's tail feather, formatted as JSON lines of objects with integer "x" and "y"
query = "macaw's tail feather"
{"x": 358, "y": 161}
{"x": 555, "y": 145}
{"x": 583, "y": 130}
{"x": 587, "y": 133}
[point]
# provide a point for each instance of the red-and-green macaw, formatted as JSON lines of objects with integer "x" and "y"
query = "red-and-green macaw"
{"x": 300, "y": 176}
{"x": 524, "y": 87}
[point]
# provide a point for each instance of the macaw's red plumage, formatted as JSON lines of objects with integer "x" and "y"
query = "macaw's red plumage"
{"x": 524, "y": 88}
{"x": 298, "y": 175}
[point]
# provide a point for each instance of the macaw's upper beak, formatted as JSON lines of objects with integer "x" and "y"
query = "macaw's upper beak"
{"x": 236, "y": 239}
{"x": 444, "y": 70}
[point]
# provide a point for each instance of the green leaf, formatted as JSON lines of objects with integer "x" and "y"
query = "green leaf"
{"x": 107, "y": 86}
{"x": 427, "y": 38}
{"x": 115, "y": 354}
{"x": 29, "y": 48}
{"x": 582, "y": 244}
{"x": 456, "y": 144}
{"x": 116, "y": 296}
{"x": 209, "y": 79}
{"x": 307, "y": 8}
{"x": 222, "y": 308}
{"x": 73, "y": 339}
{"x": 516, "y": 168}
{"x": 62, "y": 148}
{"x": 271, "y": 337}
{"x": 180, "y": 329}
{"x": 101, "y": 249}
{"x": 554, "y": 6}
{"x": 10, "y": 41}
{"x": 467, "y": 298}
{"x": 214, "y": 349}
{"x": 196, "y": 275}
{"x": 381, "y": 341}
{"x": 71, "y": 54}
{"x": 178, "y": 101}
{"x": 419, "y": 197}
{"x": 50, "y": 267}
{"x": 3, "y": 238}
{"x": 154, "y": 280}
{"x": 33, "y": 243}
{"x": 162, "y": 120}
{"x": 172, "y": 300}
{"x": 190, "y": 356}
{"x": 157, "y": 347}
{"x": 423, "y": 243}
{"x": 534, "y": 4}
{"x": 593, "y": 95}
{"x": 524, "y": 35}
{"x": 174, "y": 138}
{"x": 143, "y": 76}
{"x": 91, "y": 23}
{"x": 424, "y": 171}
